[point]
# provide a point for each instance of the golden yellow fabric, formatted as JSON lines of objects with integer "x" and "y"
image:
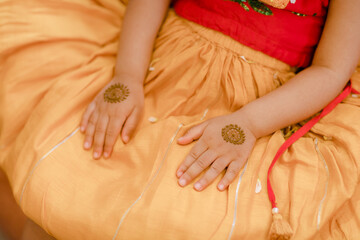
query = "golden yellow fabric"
{"x": 54, "y": 58}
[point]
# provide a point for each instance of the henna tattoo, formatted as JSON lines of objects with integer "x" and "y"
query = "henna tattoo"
{"x": 233, "y": 134}
{"x": 116, "y": 93}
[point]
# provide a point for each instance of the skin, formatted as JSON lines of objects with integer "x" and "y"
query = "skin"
{"x": 103, "y": 122}
{"x": 301, "y": 97}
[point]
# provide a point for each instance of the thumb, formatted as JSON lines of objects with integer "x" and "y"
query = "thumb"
{"x": 193, "y": 134}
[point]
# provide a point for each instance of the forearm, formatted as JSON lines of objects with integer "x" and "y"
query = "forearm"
{"x": 140, "y": 26}
{"x": 311, "y": 90}
{"x": 301, "y": 97}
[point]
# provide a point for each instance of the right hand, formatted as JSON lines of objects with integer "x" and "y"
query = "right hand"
{"x": 103, "y": 120}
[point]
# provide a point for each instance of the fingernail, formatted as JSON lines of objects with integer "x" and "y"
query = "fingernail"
{"x": 106, "y": 155}
{"x": 86, "y": 145}
{"x": 96, "y": 154}
{"x": 82, "y": 129}
{"x": 182, "y": 182}
{"x": 180, "y": 138}
{"x": 179, "y": 174}
{"x": 221, "y": 187}
{"x": 197, "y": 186}
{"x": 126, "y": 139}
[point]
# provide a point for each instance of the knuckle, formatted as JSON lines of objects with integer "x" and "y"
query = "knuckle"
{"x": 236, "y": 165}
{"x": 232, "y": 172}
{"x": 187, "y": 176}
{"x": 202, "y": 163}
{"x": 98, "y": 145}
{"x": 85, "y": 117}
{"x": 186, "y": 164}
{"x": 92, "y": 121}
{"x": 108, "y": 145}
{"x": 107, "y": 148}
{"x": 194, "y": 154}
{"x": 212, "y": 153}
{"x": 110, "y": 133}
{"x": 208, "y": 177}
{"x": 84, "y": 123}
{"x": 98, "y": 139}
{"x": 100, "y": 129}
{"x": 89, "y": 134}
{"x": 205, "y": 180}
{"x": 216, "y": 168}
{"x": 190, "y": 132}
{"x": 182, "y": 168}
{"x": 109, "y": 142}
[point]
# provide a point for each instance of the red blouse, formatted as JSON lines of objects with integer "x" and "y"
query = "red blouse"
{"x": 290, "y": 34}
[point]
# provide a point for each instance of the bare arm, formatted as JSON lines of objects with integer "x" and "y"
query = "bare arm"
{"x": 221, "y": 144}
{"x": 312, "y": 89}
{"x": 140, "y": 26}
{"x": 112, "y": 113}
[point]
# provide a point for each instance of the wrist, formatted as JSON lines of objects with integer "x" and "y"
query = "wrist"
{"x": 128, "y": 77}
{"x": 245, "y": 116}
{"x": 135, "y": 67}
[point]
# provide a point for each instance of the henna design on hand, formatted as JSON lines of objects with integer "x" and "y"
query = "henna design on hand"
{"x": 116, "y": 93}
{"x": 233, "y": 134}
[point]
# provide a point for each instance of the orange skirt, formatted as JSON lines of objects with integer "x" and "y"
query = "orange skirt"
{"x": 55, "y": 56}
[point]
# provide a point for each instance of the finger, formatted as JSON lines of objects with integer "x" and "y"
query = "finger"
{"x": 112, "y": 133}
{"x": 130, "y": 125}
{"x": 199, "y": 148}
{"x": 197, "y": 167}
{"x": 90, "y": 129}
{"x": 231, "y": 173}
{"x": 215, "y": 169}
{"x": 99, "y": 136}
{"x": 193, "y": 134}
{"x": 85, "y": 118}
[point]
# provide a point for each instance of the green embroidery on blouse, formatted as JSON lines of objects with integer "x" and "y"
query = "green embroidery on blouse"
{"x": 255, "y": 5}
{"x": 299, "y": 14}
{"x": 260, "y": 7}
{"x": 303, "y": 15}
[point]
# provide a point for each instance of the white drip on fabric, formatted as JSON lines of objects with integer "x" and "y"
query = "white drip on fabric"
{"x": 205, "y": 113}
{"x": 149, "y": 183}
{"x": 151, "y": 68}
{"x": 326, "y": 185}
{"x": 41, "y": 159}
{"x": 244, "y": 58}
{"x": 236, "y": 201}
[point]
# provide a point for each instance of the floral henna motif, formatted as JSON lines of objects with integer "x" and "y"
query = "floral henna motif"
{"x": 233, "y": 134}
{"x": 116, "y": 93}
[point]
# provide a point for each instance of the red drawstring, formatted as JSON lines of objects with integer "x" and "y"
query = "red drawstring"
{"x": 301, "y": 132}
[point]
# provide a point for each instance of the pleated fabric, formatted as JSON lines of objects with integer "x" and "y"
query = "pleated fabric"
{"x": 55, "y": 56}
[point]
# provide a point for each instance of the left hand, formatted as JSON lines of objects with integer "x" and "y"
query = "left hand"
{"x": 223, "y": 142}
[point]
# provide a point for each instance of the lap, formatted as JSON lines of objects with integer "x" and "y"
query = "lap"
{"x": 194, "y": 78}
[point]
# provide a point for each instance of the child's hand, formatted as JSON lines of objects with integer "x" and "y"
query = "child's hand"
{"x": 223, "y": 142}
{"x": 116, "y": 109}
